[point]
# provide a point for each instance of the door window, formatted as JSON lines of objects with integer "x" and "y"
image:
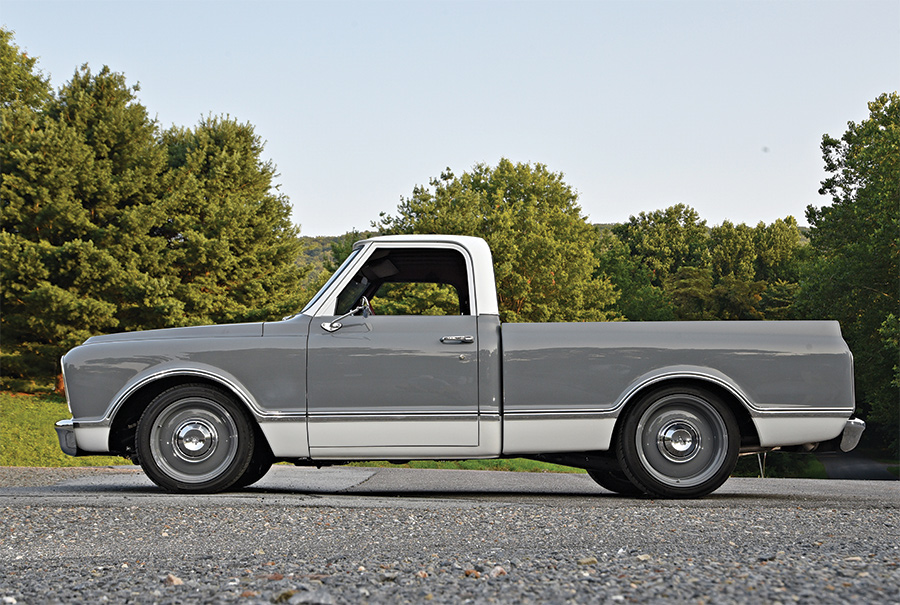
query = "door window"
{"x": 425, "y": 281}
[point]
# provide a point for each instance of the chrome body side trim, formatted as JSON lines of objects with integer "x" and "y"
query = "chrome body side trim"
{"x": 430, "y": 415}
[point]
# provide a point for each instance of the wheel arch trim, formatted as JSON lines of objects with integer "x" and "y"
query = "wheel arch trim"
{"x": 677, "y": 375}
{"x": 737, "y": 400}
{"x": 230, "y": 383}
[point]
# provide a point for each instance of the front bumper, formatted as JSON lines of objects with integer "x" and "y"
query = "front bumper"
{"x": 65, "y": 430}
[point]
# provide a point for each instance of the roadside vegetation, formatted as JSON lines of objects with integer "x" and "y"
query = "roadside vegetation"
{"x": 27, "y": 436}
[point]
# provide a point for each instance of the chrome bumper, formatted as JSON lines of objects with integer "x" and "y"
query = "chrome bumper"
{"x": 851, "y": 434}
{"x": 65, "y": 430}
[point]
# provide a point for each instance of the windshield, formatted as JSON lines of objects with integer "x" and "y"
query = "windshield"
{"x": 334, "y": 276}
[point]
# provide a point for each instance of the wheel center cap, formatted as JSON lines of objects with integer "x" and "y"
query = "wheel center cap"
{"x": 194, "y": 439}
{"x": 678, "y": 441}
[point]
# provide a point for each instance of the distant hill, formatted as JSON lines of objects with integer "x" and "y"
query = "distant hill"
{"x": 317, "y": 250}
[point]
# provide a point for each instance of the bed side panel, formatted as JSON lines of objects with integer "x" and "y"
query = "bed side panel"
{"x": 591, "y": 366}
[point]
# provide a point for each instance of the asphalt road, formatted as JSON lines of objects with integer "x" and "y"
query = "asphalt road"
{"x": 852, "y": 465}
{"x": 347, "y": 535}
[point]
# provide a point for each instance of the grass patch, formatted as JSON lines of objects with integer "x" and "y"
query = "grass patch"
{"x": 783, "y": 465}
{"x": 27, "y": 436}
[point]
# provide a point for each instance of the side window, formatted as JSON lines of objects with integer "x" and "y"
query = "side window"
{"x": 410, "y": 281}
{"x": 416, "y": 298}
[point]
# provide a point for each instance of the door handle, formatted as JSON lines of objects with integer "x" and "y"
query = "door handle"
{"x": 457, "y": 340}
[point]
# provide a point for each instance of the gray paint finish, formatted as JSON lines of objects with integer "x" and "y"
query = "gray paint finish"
{"x": 269, "y": 373}
{"x": 592, "y": 366}
{"x": 396, "y": 366}
{"x": 393, "y": 365}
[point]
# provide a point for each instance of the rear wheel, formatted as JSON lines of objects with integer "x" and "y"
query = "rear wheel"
{"x": 678, "y": 442}
{"x": 195, "y": 439}
{"x": 259, "y": 466}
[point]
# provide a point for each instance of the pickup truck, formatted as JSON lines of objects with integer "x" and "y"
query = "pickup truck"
{"x": 368, "y": 371}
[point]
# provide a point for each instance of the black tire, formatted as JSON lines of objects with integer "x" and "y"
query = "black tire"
{"x": 678, "y": 442}
{"x": 195, "y": 439}
{"x": 259, "y": 466}
{"x": 615, "y": 481}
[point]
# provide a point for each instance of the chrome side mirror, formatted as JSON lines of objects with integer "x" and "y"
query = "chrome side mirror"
{"x": 364, "y": 307}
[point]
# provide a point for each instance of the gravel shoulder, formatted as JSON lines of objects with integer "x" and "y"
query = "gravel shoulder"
{"x": 405, "y": 535}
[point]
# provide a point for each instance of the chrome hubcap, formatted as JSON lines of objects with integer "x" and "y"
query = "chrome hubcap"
{"x": 681, "y": 440}
{"x": 678, "y": 441}
{"x": 195, "y": 440}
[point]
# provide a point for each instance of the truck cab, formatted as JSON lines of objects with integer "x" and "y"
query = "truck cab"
{"x": 404, "y": 350}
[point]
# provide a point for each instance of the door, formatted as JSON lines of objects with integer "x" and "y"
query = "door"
{"x": 394, "y": 381}
{"x": 403, "y": 381}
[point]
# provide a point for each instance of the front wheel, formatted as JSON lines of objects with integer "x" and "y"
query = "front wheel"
{"x": 195, "y": 439}
{"x": 678, "y": 442}
{"x": 615, "y": 481}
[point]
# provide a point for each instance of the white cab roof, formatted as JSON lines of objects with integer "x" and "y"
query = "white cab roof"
{"x": 478, "y": 251}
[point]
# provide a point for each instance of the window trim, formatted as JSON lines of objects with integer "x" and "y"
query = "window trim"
{"x": 328, "y": 301}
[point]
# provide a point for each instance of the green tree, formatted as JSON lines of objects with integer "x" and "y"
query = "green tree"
{"x": 666, "y": 240}
{"x": 777, "y": 250}
{"x": 855, "y": 277}
{"x": 667, "y": 264}
{"x": 754, "y": 269}
{"x": 230, "y": 247}
{"x": 691, "y": 288}
{"x": 638, "y": 298}
{"x": 110, "y": 225}
{"x": 732, "y": 251}
{"x": 738, "y": 299}
{"x": 21, "y": 84}
{"x": 541, "y": 243}
{"x": 342, "y": 246}
{"x": 661, "y": 265}
{"x": 79, "y": 173}
{"x": 416, "y": 299}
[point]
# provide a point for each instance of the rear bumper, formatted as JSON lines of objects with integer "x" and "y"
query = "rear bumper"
{"x": 851, "y": 434}
{"x": 845, "y": 442}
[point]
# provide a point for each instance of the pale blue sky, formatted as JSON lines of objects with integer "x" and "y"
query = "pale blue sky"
{"x": 642, "y": 105}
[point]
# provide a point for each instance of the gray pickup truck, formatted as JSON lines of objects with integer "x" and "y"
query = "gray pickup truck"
{"x": 402, "y": 356}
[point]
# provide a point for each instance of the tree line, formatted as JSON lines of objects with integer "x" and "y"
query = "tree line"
{"x": 111, "y": 223}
